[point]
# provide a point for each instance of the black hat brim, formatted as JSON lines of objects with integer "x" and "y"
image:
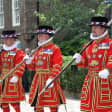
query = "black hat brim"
{"x": 100, "y": 25}
{"x": 51, "y": 34}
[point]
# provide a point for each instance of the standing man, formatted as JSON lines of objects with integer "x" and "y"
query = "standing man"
{"x": 47, "y": 62}
{"x": 97, "y": 88}
{"x": 12, "y": 90}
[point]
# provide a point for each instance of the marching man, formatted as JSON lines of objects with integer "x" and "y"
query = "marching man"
{"x": 97, "y": 88}
{"x": 47, "y": 62}
{"x": 12, "y": 91}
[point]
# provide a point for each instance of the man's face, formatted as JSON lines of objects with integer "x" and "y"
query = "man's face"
{"x": 9, "y": 41}
{"x": 97, "y": 30}
{"x": 43, "y": 37}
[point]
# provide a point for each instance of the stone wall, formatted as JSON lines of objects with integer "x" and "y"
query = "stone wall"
{"x": 27, "y": 21}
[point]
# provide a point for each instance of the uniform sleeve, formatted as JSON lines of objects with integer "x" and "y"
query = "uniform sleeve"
{"x": 56, "y": 62}
{"x": 31, "y": 66}
{"x": 108, "y": 64}
{"x": 19, "y": 58}
{"x": 84, "y": 60}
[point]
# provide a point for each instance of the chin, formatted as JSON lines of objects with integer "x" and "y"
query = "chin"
{"x": 41, "y": 41}
{"x": 95, "y": 35}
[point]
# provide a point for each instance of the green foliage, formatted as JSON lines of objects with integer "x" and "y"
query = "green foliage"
{"x": 66, "y": 60}
{"x": 72, "y": 46}
{"x": 73, "y": 15}
{"x": 101, "y": 10}
{"x": 67, "y": 78}
{"x": 79, "y": 79}
{"x": 72, "y": 80}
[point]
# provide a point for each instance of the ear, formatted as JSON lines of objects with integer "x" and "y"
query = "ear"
{"x": 104, "y": 29}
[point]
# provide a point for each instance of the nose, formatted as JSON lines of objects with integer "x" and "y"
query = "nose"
{"x": 93, "y": 29}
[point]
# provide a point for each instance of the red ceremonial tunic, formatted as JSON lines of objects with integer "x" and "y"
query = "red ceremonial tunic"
{"x": 96, "y": 92}
{"x": 11, "y": 92}
{"x": 47, "y": 63}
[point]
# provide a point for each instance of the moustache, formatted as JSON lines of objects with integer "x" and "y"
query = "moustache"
{"x": 93, "y": 32}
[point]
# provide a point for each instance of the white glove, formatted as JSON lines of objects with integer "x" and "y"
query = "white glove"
{"x": 28, "y": 59}
{"x": 77, "y": 57}
{"x": 104, "y": 73}
{"x": 14, "y": 79}
{"x": 48, "y": 81}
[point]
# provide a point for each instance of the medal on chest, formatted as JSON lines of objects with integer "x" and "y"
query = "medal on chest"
{"x": 48, "y": 51}
{"x": 13, "y": 53}
{"x": 104, "y": 46}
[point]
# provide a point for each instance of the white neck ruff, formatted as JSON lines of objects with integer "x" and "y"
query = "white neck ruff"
{"x": 96, "y": 38}
{"x": 8, "y": 48}
{"x": 43, "y": 43}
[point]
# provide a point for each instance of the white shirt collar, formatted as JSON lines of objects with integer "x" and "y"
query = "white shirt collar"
{"x": 96, "y": 38}
{"x": 43, "y": 43}
{"x": 8, "y": 48}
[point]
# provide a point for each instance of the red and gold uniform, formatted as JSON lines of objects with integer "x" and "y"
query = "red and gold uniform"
{"x": 97, "y": 92}
{"x": 47, "y": 63}
{"x": 11, "y": 93}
